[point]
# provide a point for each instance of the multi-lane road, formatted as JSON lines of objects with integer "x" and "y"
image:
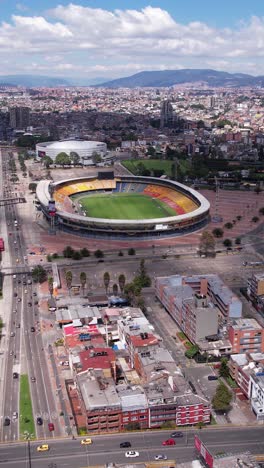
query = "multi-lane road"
{"x": 23, "y": 351}
{"x": 106, "y": 449}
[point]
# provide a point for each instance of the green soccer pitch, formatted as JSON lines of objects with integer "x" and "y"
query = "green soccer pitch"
{"x": 124, "y": 206}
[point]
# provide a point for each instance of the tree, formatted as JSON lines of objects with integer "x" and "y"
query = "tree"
{"x": 115, "y": 289}
{"x": 207, "y": 244}
{"x": 227, "y": 243}
{"x": 228, "y": 225}
{"x": 224, "y": 369}
{"x": 32, "y": 186}
{"x": 39, "y": 274}
{"x": 68, "y": 252}
{"x": 106, "y": 280}
{"x": 47, "y": 161}
{"x": 122, "y": 282}
{"x": 77, "y": 255}
{"x": 62, "y": 159}
{"x": 75, "y": 158}
{"x": 257, "y": 190}
{"x": 96, "y": 158}
{"x": 142, "y": 279}
{"x": 261, "y": 211}
{"x": 98, "y": 253}
{"x": 83, "y": 279}
{"x": 131, "y": 251}
{"x": 85, "y": 252}
{"x": 218, "y": 232}
{"x": 255, "y": 219}
{"x": 131, "y": 291}
{"x": 68, "y": 277}
{"x": 238, "y": 240}
{"x": 222, "y": 398}
{"x": 50, "y": 285}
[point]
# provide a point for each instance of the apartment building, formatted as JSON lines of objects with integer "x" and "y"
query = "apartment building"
{"x": 256, "y": 394}
{"x": 256, "y": 289}
{"x": 169, "y": 288}
{"x": 101, "y": 401}
{"x": 248, "y": 371}
{"x": 171, "y": 399}
{"x": 246, "y": 335}
{"x": 19, "y": 117}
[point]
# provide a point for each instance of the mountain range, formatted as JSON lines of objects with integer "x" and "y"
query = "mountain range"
{"x": 38, "y": 81}
{"x": 167, "y": 78}
{"x": 158, "y": 78}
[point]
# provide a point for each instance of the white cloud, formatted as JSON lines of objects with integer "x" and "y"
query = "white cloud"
{"x": 71, "y": 38}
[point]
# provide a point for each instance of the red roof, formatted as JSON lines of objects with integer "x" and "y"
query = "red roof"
{"x": 90, "y": 359}
{"x": 139, "y": 342}
{"x": 76, "y": 331}
{"x": 72, "y": 341}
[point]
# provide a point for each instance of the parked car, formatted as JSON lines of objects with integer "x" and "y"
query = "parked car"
{"x": 15, "y": 415}
{"x": 7, "y": 421}
{"x": 51, "y": 427}
{"x": 32, "y": 329}
{"x": 125, "y": 445}
{"x": 212, "y": 377}
{"x": 15, "y": 375}
{"x": 33, "y": 379}
{"x": 39, "y": 421}
{"x": 169, "y": 442}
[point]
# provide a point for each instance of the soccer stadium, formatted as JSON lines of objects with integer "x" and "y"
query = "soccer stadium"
{"x": 122, "y": 207}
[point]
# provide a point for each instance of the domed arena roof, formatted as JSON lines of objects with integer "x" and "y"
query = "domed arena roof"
{"x": 73, "y": 144}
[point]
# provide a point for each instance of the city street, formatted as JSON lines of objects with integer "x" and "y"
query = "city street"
{"x": 106, "y": 449}
{"x": 23, "y": 353}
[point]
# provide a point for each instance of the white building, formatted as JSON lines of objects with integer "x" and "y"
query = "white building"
{"x": 256, "y": 394}
{"x": 84, "y": 148}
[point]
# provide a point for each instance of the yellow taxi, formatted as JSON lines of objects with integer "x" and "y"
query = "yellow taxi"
{"x": 86, "y": 441}
{"x": 42, "y": 448}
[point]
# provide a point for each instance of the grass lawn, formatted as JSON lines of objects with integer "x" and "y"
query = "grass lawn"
{"x": 124, "y": 206}
{"x": 26, "y": 420}
{"x": 151, "y": 164}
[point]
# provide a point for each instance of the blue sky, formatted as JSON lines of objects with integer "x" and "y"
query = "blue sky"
{"x": 218, "y": 13}
{"x": 124, "y": 37}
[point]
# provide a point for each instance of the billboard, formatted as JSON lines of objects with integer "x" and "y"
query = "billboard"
{"x": 206, "y": 456}
{"x": 52, "y": 208}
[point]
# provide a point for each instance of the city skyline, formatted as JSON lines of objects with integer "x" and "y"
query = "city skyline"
{"x": 92, "y": 39}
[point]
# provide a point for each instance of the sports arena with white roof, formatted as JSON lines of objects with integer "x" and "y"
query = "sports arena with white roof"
{"x": 84, "y": 148}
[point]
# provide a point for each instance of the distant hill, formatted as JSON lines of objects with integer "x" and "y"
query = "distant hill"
{"x": 166, "y": 78}
{"x": 87, "y": 81}
{"x": 32, "y": 81}
{"x": 38, "y": 81}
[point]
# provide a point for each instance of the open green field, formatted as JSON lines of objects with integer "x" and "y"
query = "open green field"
{"x": 26, "y": 420}
{"x": 152, "y": 164}
{"x": 124, "y": 206}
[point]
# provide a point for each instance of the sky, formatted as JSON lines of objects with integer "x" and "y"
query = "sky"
{"x": 111, "y": 39}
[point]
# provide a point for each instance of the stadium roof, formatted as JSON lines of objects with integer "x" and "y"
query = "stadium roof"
{"x": 73, "y": 144}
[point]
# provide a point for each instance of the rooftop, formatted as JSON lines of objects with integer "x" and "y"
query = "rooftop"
{"x": 98, "y": 393}
{"x": 246, "y": 324}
